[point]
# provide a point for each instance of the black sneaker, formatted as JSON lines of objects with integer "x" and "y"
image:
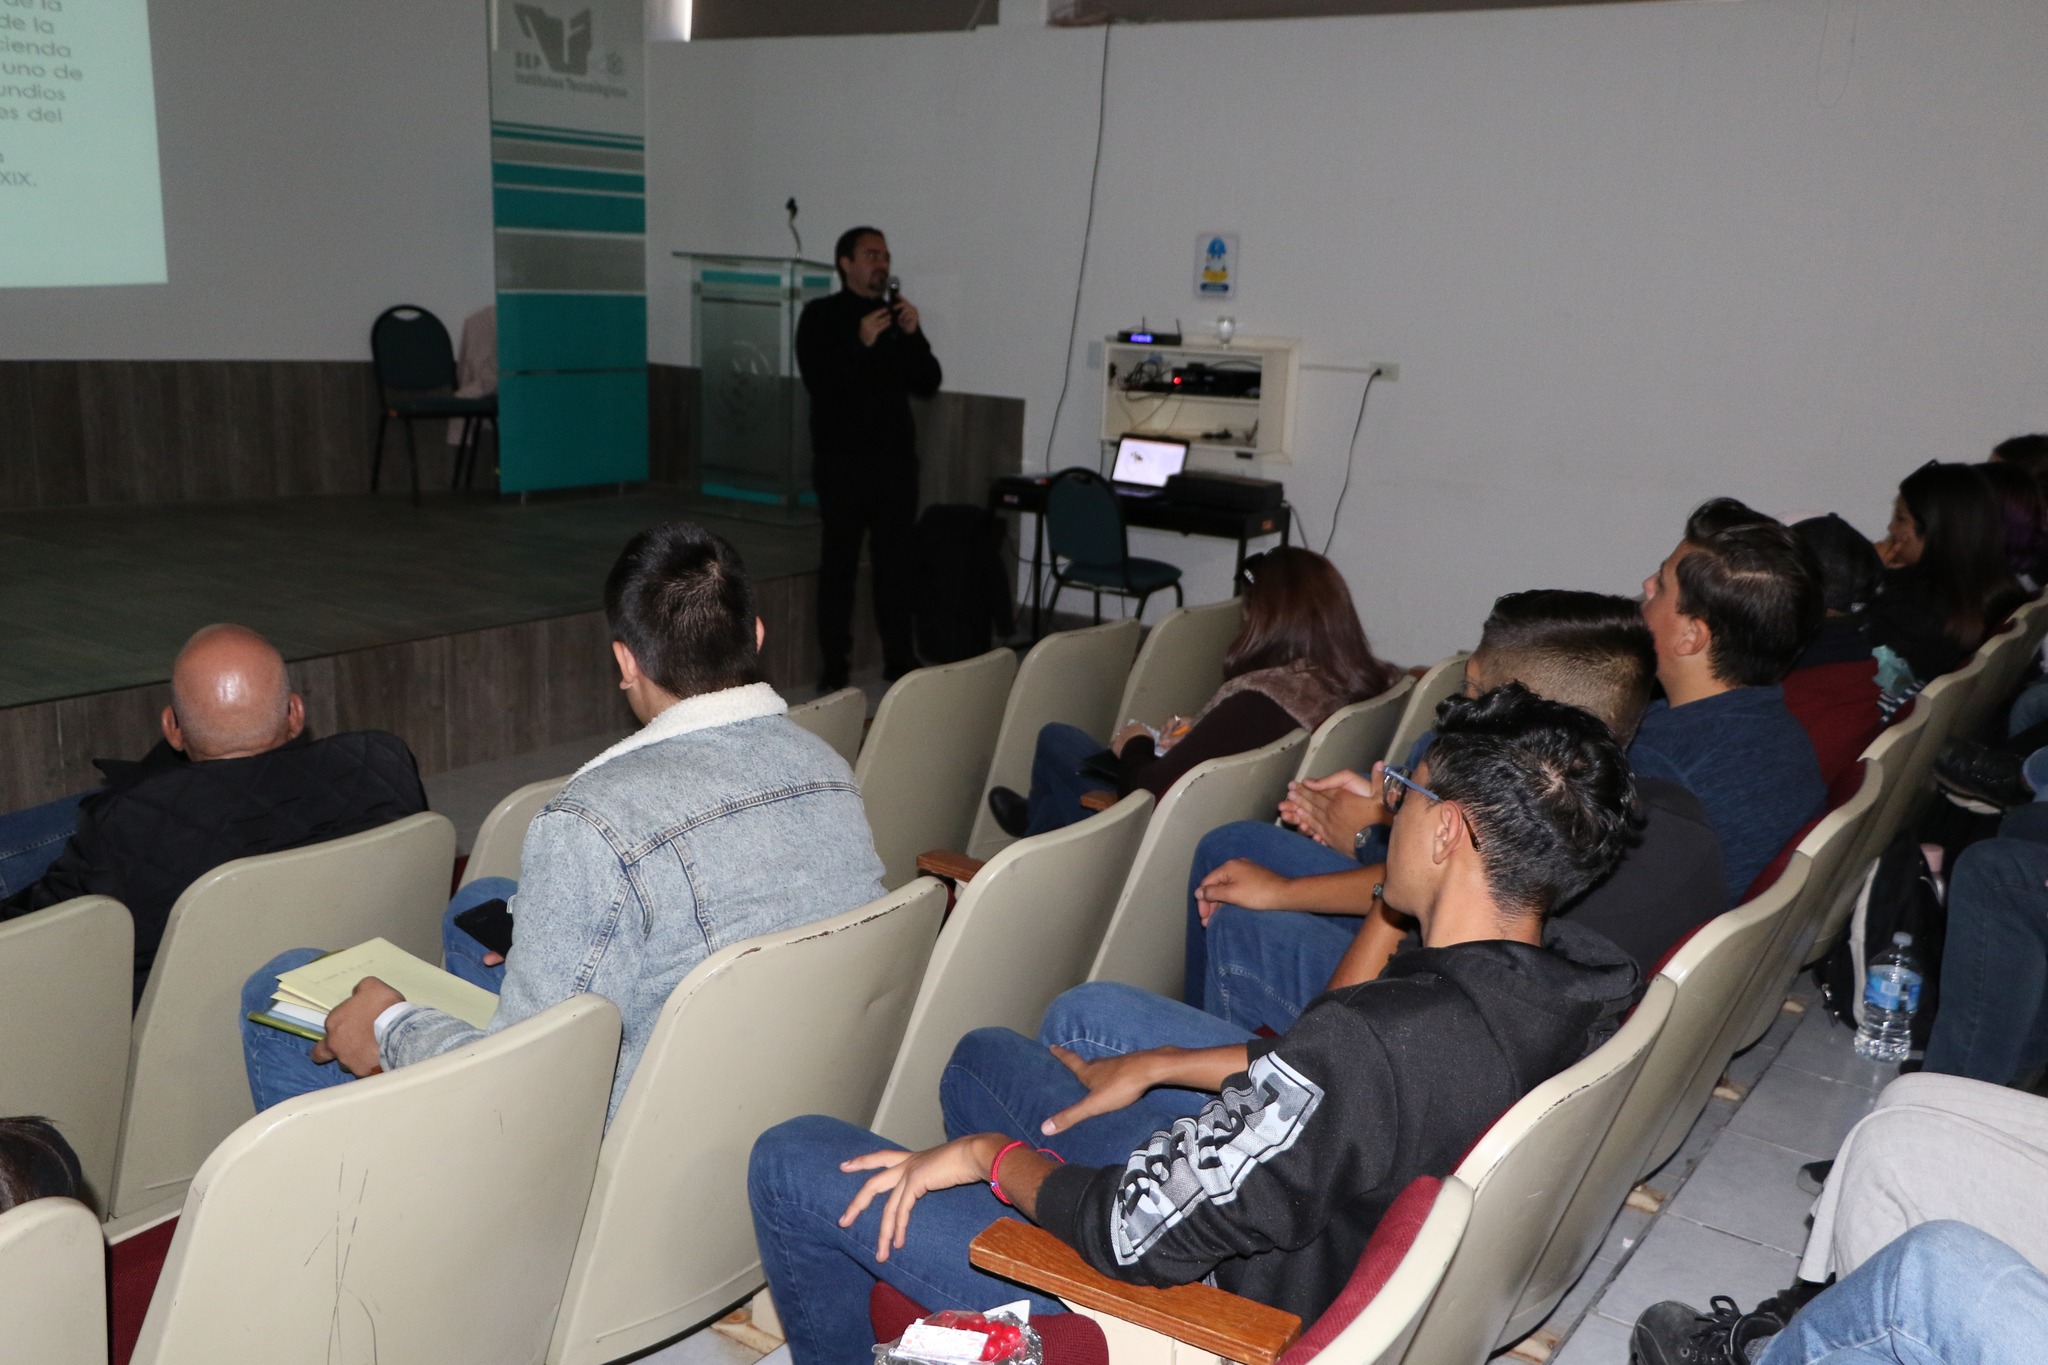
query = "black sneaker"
{"x": 1012, "y": 812}
{"x": 1982, "y": 773}
{"x": 1814, "y": 1174}
{"x": 1674, "y": 1333}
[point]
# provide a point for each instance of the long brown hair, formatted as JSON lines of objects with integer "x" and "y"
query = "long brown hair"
{"x": 1297, "y": 607}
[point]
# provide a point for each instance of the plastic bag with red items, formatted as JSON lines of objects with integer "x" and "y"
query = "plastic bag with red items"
{"x": 1001, "y": 1336}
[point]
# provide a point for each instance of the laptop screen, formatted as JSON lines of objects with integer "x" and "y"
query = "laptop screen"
{"x": 1148, "y": 460}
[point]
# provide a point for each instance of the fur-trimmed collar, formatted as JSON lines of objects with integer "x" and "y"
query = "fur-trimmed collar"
{"x": 727, "y": 706}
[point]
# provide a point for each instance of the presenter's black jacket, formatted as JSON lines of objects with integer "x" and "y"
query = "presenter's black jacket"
{"x": 1277, "y": 1183}
{"x": 163, "y": 822}
{"x": 860, "y": 395}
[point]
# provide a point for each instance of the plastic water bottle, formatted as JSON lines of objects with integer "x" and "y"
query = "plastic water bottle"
{"x": 1891, "y": 992}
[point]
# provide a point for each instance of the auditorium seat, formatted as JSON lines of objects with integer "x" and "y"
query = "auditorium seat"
{"x": 921, "y": 768}
{"x": 66, "y": 974}
{"x": 187, "y": 1086}
{"x": 53, "y": 1284}
{"x": 1357, "y": 736}
{"x": 1146, "y": 941}
{"x": 1074, "y": 676}
{"x": 1021, "y": 932}
{"x": 806, "y": 1021}
{"x": 1444, "y": 678}
{"x": 1891, "y": 752}
{"x": 839, "y": 718}
{"x": 426, "y": 1214}
{"x": 503, "y": 833}
{"x": 1180, "y": 665}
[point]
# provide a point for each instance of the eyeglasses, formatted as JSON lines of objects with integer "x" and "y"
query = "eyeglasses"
{"x": 1395, "y": 784}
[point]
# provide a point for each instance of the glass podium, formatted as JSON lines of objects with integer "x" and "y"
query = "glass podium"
{"x": 753, "y": 417}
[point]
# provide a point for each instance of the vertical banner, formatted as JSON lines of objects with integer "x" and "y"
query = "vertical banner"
{"x": 569, "y": 200}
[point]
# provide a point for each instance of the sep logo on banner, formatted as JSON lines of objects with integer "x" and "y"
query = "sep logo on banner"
{"x": 1215, "y": 265}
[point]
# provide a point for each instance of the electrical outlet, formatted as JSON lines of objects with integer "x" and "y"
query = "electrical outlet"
{"x": 1389, "y": 373}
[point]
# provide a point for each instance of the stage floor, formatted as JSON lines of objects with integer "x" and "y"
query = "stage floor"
{"x": 98, "y": 598}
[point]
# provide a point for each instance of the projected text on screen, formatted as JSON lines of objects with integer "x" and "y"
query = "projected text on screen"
{"x": 80, "y": 202}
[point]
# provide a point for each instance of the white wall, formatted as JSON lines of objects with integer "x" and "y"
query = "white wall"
{"x": 320, "y": 163}
{"x": 1626, "y": 256}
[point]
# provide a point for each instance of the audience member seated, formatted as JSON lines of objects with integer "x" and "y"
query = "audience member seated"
{"x": 1947, "y": 582}
{"x": 720, "y": 820}
{"x": 1936, "y": 1151}
{"x": 233, "y": 776}
{"x": 1300, "y": 656}
{"x": 1271, "y": 1181}
{"x": 1275, "y": 939}
{"x": 36, "y": 1163}
{"x": 1832, "y": 690}
{"x": 2025, "y": 515}
{"x": 1730, "y": 610}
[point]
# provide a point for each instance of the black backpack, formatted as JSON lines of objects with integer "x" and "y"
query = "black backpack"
{"x": 1900, "y": 893}
{"x": 963, "y": 597}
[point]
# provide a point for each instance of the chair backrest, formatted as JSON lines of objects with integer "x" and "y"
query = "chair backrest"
{"x": 503, "y": 833}
{"x": 1443, "y": 678}
{"x": 1357, "y": 736}
{"x": 1892, "y": 752}
{"x": 1522, "y": 1173}
{"x": 1083, "y": 521}
{"x": 1943, "y": 701}
{"x": 1021, "y": 932}
{"x": 839, "y": 718}
{"x": 425, "y": 1214}
{"x": 920, "y": 770}
{"x": 1381, "y": 1329}
{"x": 806, "y": 1021}
{"x": 53, "y": 1284}
{"x": 1180, "y": 665}
{"x": 410, "y": 350}
{"x": 2005, "y": 657}
{"x": 66, "y": 974}
{"x": 1075, "y": 676}
{"x": 1146, "y": 941}
{"x": 187, "y": 1086}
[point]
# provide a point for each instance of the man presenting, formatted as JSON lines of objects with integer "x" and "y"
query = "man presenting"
{"x": 863, "y": 355}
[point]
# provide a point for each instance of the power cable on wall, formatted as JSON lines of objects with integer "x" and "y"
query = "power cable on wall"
{"x": 1350, "y": 458}
{"x": 1087, "y": 234}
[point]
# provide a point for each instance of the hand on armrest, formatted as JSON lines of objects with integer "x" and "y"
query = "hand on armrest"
{"x": 1201, "y": 1315}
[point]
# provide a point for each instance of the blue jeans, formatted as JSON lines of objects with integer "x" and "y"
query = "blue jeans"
{"x": 1993, "y": 1024}
{"x": 1056, "y": 782}
{"x": 1942, "y": 1294}
{"x": 31, "y": 839}
{"x": 2029, "y": 709}
{"x": 1256, "y": 967}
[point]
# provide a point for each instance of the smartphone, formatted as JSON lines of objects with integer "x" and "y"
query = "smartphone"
{"x": 489, "y": 924}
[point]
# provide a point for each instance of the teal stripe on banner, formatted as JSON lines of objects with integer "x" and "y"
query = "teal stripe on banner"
{"x": 741, "y": 277}
{"x": 571, "y": 331}
{"x": 560, "y": 177}
{"x": 571, "y": 430}
{"x": 541, "y": 133}
{"x": 562, "y": 210}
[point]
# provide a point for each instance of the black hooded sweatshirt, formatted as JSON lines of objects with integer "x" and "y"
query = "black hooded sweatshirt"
{"x": 1276, "y": 1185}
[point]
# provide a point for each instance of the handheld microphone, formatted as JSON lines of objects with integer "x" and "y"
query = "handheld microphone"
{"x": 895, "y": 291}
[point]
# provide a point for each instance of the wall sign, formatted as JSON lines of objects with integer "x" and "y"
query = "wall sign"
{"x": 1215, "y": 265}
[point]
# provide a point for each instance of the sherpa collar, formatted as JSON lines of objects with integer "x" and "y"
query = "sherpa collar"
{"x": 727, "y": 706}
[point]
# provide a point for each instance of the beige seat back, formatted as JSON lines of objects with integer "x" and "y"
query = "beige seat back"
{"x": 839, "y": 718}
{"x": 1522, "y": 1174}
{"x": 53, "y": 1284}
{"x": 1443, "y": 678}
{"x": 1146, "y": 942}
{"x": 1075, "y": 676}
{"x": 806, "y": 1021}
{"x": 187, "y": 1087}
{"x": 1180, "y": 665}
{"x": 2005, "y": 658}
{"x": 1945, "y": 700}
{"x": 66, "y": 982}
{"x": 1021, "y": 932}
{"x": 427, "y": 1214}
{"x": 503, "y": 833}
{"x": 1356, "y": 737}
{"x": 1381, "y": 1332}
{"x": 1889, "y": 753}
{"x": 921, "y": 769}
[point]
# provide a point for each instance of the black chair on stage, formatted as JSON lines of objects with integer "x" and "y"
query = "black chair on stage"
{"x": 1084, "y": 526}
{"x": 415, "y": 366}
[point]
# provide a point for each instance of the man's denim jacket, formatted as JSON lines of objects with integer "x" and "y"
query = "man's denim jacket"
{"x": 720, "y": 820}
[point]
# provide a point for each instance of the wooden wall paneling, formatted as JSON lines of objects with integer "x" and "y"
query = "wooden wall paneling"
{"x": 402, "y": 688}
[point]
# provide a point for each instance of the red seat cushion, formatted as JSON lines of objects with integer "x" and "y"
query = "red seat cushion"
{"x": 1383, "y": 1252}
{"x": 133, "y": 1266}
{"x": 1069, "y": 1338}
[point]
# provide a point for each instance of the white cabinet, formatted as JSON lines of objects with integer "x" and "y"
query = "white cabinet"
{"x": 1223, "y": 400}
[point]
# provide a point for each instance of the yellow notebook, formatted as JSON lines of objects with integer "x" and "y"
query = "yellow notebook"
{"x": 325, "y": 982}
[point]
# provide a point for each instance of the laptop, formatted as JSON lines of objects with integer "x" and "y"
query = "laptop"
{"x": 1145, "y": 463}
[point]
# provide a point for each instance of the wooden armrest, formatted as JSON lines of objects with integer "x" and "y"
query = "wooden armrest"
{"x": 948, "y": 865}
{"x": 1099, "y": 800}
{"x": 1203, "y": 1316}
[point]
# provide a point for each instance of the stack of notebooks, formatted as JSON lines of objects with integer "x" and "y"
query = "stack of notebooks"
{"x": 305, "y": 994}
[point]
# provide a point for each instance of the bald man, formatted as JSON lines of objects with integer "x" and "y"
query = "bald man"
{"x": 234, "y": 775}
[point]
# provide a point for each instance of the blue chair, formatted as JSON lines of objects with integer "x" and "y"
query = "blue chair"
{"x": 1084, "y": 526}
{"x": 415, "y": 366}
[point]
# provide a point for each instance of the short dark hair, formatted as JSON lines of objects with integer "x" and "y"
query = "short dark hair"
{"x": 36, "y": 1163}
{"x": 1755, "y": 584}
{"x": 2028, "y": 452}
{"x": 849, "y": 240}
{"x": 678, "y": 597}
{"x": 1590, "y": 649}
{"x": 1545, "y": 787}
{"x": 1849, "y": 566}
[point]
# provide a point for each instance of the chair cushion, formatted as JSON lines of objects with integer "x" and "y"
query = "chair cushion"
{"x": 445, "y": 406}
{"x": 1069, "y": 1338}
{"x": 1389, "y": 1242}
{"x": 1135, "y": 575}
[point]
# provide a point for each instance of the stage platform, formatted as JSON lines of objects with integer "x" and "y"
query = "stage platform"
{"x": 471, "y": 626}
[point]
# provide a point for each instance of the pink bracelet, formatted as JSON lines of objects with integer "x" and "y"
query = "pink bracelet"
{"x": 995, "y": 1167}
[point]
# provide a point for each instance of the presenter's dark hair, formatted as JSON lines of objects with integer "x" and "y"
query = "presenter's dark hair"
{"x": 1849, "y": 566}
{"x": 843, "y": 249}
{"x": 1962, "y": 556}
{"x": 1591, "y": 649}
{"x": 1545, "y": 788}
{"x": 36, "y": 1163}
{"x": 1755, "y": 584}
{"x": 679, "y": 599}
{"x": 1297, "y": 608}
